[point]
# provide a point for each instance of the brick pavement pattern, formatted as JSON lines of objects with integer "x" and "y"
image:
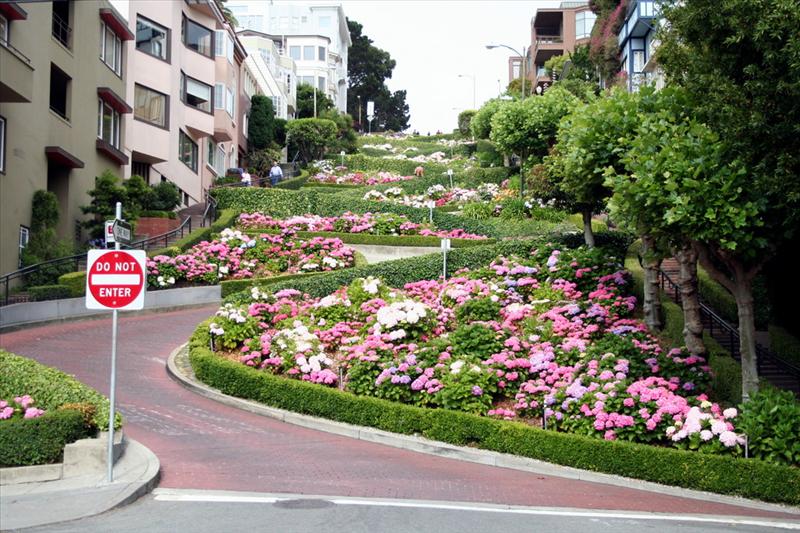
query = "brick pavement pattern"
{"x": 205, "y": 445}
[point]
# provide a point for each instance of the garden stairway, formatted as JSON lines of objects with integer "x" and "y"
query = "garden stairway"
{"x": 768, "y": 367}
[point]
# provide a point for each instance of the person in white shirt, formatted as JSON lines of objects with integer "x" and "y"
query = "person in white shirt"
{"x": 246, "y": 179}
{"x": 275, "y": 173}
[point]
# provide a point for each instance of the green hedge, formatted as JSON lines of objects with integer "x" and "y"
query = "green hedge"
{"x": 49, "y": 387}
{"x": 360, "y": 162}
{"x": 295, "y": 182}
{"x": 48, "y": 292}
{"x": 784, "y": 344}
{"x": 725, "y": 475}
{"x": 226, "y": 219}
{"x": 383, "y": 240}
{"x": 40, "y": 440}
{"x": 75, "y": 282}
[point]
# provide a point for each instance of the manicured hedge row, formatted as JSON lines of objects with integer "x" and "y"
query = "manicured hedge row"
{"x": 283, "y": 204}
{"x": 75, "y": 282}
{"x": 725, "y": 475}
{"x": 295, "y": 182}
{"x": 225, "y": 219}
{"x": 40, "y": 440}
{"x": 383, "y": 240}
{"x": 404, "y": 167}
{"x": 48, "y": 292}
{"x": 726, "y": 381}
{"x": 49, "y": 387}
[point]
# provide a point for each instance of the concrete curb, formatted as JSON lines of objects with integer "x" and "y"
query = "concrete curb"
{"x": 179, "y": 358}
{"x": 41, "y": 504}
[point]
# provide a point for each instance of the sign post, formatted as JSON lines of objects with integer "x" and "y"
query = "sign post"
{"x": 122, "y": 231}
{"x": 109, "y": 232}
{"x": 450, "y": 175}
{"x": 115, "y": 280}
{"x": 445, "y": 248}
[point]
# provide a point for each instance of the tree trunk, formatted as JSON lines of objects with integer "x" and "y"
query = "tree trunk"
{"x": 692, "y": 322}
{"x": 741, "y": 286}
{"x": 588, "y": 234}
{"x": 747, "y": 337}
{"x": 652, "y": 300}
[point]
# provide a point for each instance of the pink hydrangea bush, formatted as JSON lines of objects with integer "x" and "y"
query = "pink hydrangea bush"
{"x": 235, "y": 255}
{"x": 547, "y": 339}
{"x": 19, "y": 407}
{"x": 357, "y": 178}
{"x": 368, "y": 223}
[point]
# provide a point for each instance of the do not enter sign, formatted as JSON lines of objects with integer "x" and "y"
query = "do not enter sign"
{"x": 116, "y": 279}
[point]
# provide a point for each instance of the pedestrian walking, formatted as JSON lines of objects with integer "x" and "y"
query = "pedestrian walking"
{"x": 275, "y": 173}
{"x": 247, "y": 180}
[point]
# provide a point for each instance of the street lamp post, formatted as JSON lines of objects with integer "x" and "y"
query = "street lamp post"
{"x": 522, "y": 55}
{"x": 472, "y": 77}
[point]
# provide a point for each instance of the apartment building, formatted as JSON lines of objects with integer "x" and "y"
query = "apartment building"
{"x": 63, "y": 111}
{"x": 556, "y": 31}
{"x": 315, "y": 36}
{"x": 638, "y": 43}
{"x": 184, "y": 85}
{"x": 274, "y": 73}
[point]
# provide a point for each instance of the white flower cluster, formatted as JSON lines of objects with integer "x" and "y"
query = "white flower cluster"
{"x": 257, "y": 294}
{"x": 371, "y": 285}
{"x": 394, "y": 192}
{"x": 299, "y": 341}
{"x": 386, "y": 147}
{"x": 375, "y": 195}
{"x": 233, "y": 313}
{"x": 163, "y": 282}
{"x": 229, "y": 234}
{"x": 323, "y": 165}
{"x": 709, "y": 427}
{"x": 398, "y": 313}
{"x": 332, "y": 262}
{"x": 457, "y": 366}
{"x": 487, "y": 191}
{"x": 331, "y": 300}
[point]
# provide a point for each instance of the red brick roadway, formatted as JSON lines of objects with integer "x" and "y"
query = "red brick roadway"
{"x": 206, "y": 445}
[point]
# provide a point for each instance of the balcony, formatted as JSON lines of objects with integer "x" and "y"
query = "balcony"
{"x": 16, "y": 85}
{"x": 546, "y": 45}
{"x": 62, "y": 31}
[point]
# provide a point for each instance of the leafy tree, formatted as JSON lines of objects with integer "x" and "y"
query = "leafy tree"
{"x": 311, "y": 136}
{"x": 743, "y": 76}
{"x": 604, "y": 44}
{"x": 464, "y": 120}
{"x": 514, "y": 88}
{"x": 138, "y": 196}
{"x": 165, "y": 197}
{"x": 105, "y": 195}
{"x": 305, "y": 101}
{"x": 555, "y": 65}
{"x": 228, "y": 14}
{"x": 44, "y": 244}
{"x": 345, "y": 134}
{"x": 280, "y": 131}
{"x": 481, "y": 123}
{"x": 261, "y": 129}
{"x": 260, "y": 161}
{"x": 368, "y": 68}
{"x": 528, "y": 127}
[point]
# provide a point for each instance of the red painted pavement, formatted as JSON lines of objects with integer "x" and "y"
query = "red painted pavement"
{"x": 206, "y": 445}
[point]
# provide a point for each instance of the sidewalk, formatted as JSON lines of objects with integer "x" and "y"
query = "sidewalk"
{"x": 35, "y": 504}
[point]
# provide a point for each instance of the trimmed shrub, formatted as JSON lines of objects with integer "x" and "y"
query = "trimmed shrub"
{"x": 382, "y": 240}
{"x": 749, "y": 478}
{"x": 75, "y": 282}
{"x": 48, "y": 292}
{"x": 50, "y": 387}
{"x": 295, "y": 182}
{"x": 40, "y": 440}
{"x": 771, "y": 420}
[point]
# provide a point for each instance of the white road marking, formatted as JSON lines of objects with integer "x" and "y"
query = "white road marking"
{"x": 177, "y": 495}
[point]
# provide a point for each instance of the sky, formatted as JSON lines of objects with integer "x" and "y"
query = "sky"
{"x": 436, "y": 40}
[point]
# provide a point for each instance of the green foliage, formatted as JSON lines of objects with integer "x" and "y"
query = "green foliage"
{"x": 48, "y": 292}
{"x": 43, "y": 243}
{"x": 311, "y": 137}
{"x": 464, "y": 121}
{"x": 305, "y": 101}
{"x": 784, "y": 344}
{"x": 481, "y": 123}
{"x": 105, "y": 195}
{"x": 604, "y": 45}
{"x": 75, "y": 282}
{"x": 50, "y": 387}
{"x": 294, "y": 183}
{"x": 555, "y": 65}
{"x": 261, "y": 125}
{"x": 726, "y": 475}
{"x": 528, "y": 127}
{"x": 771, "y": 421}
{"x": 384, "y": 239}
{"x": 44, "y": 211}
{"x": 478, "y": 210}
{"x": 260, "y": 161}
{"x": 345, "y": 134}
{"x": 40, "y": 440}
{"x": 487, "y": 154}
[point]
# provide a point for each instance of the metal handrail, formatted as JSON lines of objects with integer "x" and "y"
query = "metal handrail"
{"x": 6, "y": 279}
{"x": 62, "y": 31}
{"x": 732, "y": 332}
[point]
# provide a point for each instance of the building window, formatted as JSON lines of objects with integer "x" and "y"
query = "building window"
{"x": 305, "y": 80}
{"x": 3, "y": 30}
{"x": 139, "y": 168}
{"x": 223, "y": 45}
{"x": 647, "y": 8}
{"x": 61, "y": 29}
{"x": 584, "y": 22}
{"x": 2, "y": 145}
{"x": 107, "y": 124}
{"x": 152, "y": 38}
{"x": 294, "y": 52}
{"x": 321, "y": 83}
{"x": 24, "y": 238}
{"x": 245, "y": 124}
{"x": 215, "y": 157}
{"x": 219, "y": 96}
{"x": 196, "y": 93}
{"x": 321, "y": 51}
{"x": 150, "y": 106}
{"x": 110, "y": 49}
{"x": 187, "y": 151}
{"x": 308, "y": 53}
{"x": 230, "y": 105}
{"x": 638, "y": 60}
{"x": 325, "y": 22}
{"x": 59, "y": 91}
{"x": 197, "y": 37}
{"x": 516, "y": 70}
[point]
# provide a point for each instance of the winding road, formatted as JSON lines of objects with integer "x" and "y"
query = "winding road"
{"x": 205, "y": 445}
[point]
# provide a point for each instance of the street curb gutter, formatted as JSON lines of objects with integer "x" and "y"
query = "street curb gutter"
{"x": 441, "y": 449}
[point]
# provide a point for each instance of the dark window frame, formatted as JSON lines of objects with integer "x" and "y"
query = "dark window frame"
{"x": 166, "y": 107}
{"x": 3, "y": 145}
{"x": 211, "y": 47}
{"x": 196, "y": 152}
{"x": 184, "y": 84}
{"x": 168, "y": 31}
